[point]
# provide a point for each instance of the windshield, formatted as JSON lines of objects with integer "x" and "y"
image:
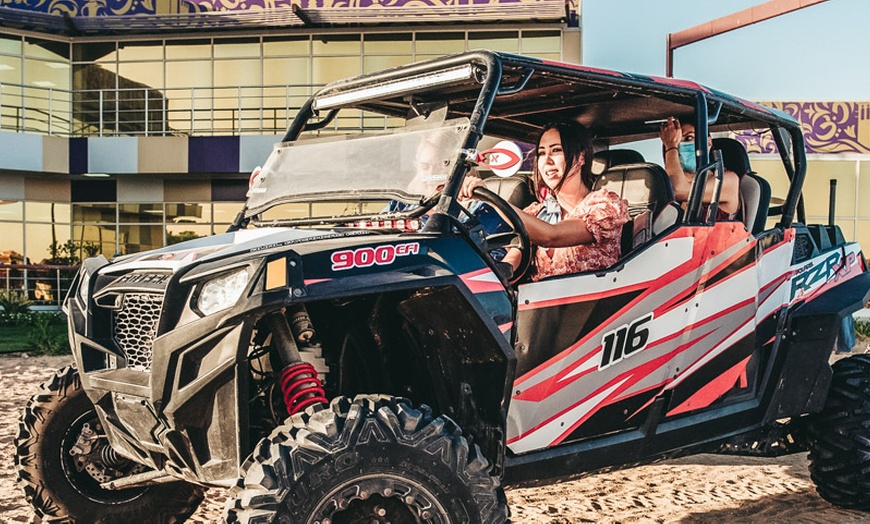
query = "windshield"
{"x": 406, "y": 165}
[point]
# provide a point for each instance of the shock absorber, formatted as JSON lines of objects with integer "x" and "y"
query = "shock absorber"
{"x": 300, "y": 386}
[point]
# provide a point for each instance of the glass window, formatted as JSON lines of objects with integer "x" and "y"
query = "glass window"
{"x": 225, "y": 213}
{"x": 41, "y": 237}
{"x": 10, "y": 69}
{"x": 284, "y": 71}
{"x": 47, "y": 212}
{"x": 94, "y": 76}
{"x": 332, "y": 68}
{"x": 237, "y": 73}
{"x": 507, "y": 41}
{"x": 140, "y": 51}
{"x": 10, "y": 44}
{"x": 37, "y": 48}
{"x": 287, "y": 46}
{"x": 94, "y": 51}
{"x": 541, "y": 42}
{"x": 11, "y": 211}
{"x": 188, "y": 213}
{"x": 325, "y": 209}
{"x": 187, "y": 49}
{"x": 337, "y": 44}
{"x": 377, "y": 63}
{"x": 188, "y": 74}
{"x": 93, "y": 240}
{"x": 46, "y": 74}
{"x": 94, "y": 213}
{"x": 286, "y": 211}
{"x": 248, "y": 47}
{"x": 140, "y": 213}
{"x": 144, "y": 73}
{"x": 138, "y": 238}
{"x": 440, "y": 43}
{"x": 182, "y": 232}
{"x": 11, "y": 245}
{"x": 389, "y": 43}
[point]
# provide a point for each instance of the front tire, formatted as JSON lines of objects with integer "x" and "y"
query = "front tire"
{"x": 373, "y": 459}
{"x": 839, "y": 437}
{"x": 64, "y": 485}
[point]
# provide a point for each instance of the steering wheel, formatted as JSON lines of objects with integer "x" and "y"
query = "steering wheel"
{"x": 518, "y": 238}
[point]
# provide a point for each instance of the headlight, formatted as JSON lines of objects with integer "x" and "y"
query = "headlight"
{"x": 222, "y": 292}
{"x": 83, "y": 287}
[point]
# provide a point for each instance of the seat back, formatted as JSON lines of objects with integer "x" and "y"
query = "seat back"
{"x": 604, "y": 160}
{"x": 754, "y": 202}
{"x": 645, "y": 186}
{"x": 514, "y": 189}
{"x": 754, "y": 190}
{"x": 648, "y": 191}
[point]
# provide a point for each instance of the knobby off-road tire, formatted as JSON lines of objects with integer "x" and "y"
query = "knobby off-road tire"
{"x": 375, "y": 459}
{"x": 839, "y": 437}
{"x": 50, "y": 426}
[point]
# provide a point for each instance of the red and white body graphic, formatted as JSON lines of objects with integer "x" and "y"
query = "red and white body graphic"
{"x": 684, "y": 327}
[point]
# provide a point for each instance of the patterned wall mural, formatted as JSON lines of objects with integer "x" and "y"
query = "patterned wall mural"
{"x": 828, "y": 127}
{"x": 91, "y": 8}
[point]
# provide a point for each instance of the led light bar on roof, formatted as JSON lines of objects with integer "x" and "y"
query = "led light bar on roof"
{"x": 398, "y": 87}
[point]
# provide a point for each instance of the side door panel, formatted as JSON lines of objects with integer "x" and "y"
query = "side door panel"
{"x": 595, "y": 350}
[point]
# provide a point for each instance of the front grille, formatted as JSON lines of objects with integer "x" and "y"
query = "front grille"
{"x": 135, "y": 326}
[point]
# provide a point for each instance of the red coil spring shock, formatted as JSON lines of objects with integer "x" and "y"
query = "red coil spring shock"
{"x": 301, "y": 387}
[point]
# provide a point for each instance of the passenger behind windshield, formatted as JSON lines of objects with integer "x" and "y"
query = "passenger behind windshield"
{"x": 431, "y": 170}
{"x": 678, "y": 142}
{"x": 573, "y": 228}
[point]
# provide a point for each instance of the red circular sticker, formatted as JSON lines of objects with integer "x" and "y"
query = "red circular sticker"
{"x": 505, "y": 159}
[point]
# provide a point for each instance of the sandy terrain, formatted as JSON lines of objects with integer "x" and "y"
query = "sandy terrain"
{"x": 704, "y": 488}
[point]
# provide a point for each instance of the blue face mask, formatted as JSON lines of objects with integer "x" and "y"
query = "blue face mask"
{"x": 687, "y": 156}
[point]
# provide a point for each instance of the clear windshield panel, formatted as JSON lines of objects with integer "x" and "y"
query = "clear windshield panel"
{"x": 407, "y": 164}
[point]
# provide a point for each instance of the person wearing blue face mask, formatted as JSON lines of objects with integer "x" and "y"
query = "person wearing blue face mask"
{"x": 678, "y": 141}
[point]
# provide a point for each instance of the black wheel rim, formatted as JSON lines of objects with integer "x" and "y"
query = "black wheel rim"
{"x": 381, "y": 499}
{"x": 81, "y": 481}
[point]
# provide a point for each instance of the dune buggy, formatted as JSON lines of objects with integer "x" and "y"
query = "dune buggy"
{"x": 351, "y": 350}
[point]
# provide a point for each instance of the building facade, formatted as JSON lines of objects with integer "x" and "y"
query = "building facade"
{"x": 125, "y": 128}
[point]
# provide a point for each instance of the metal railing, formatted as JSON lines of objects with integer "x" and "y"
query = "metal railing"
{"x": 206, "y": 111}
{"x": 43, "y": 284}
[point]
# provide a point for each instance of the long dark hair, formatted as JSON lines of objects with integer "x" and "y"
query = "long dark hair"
{"x": 576, "y": 140}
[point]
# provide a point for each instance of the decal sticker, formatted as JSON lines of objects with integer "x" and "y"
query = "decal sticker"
{"x": 505, "y": 159}
{"x": 624, "y": 341}
{"x": 809, "y": 275}
{"x": 370, "y": 256}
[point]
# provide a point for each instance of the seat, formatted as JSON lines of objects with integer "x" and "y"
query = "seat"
{"x": 650, "y": 198}
{"x": 644, "y": 185}
{"x": 754, "y": 190}
{"x": 604, "y": 160}
{"x": 514, "y": 189}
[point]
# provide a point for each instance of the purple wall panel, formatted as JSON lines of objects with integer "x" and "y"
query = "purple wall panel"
{"x": 828, "y": 127}
{"x": 213, "y": 154}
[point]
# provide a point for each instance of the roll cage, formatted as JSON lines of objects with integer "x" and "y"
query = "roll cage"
{"x": 513, "y": 97}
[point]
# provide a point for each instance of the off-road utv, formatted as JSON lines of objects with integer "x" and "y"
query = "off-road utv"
{"x": 352, "y": 350}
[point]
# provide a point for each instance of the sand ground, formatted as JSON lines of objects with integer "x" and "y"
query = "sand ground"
{"x": 702, "y": 488}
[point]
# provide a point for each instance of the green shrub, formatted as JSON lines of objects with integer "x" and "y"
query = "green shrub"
{"x": 862, "y": 327}
{"x": 14, "y": 302}
{"x": 48, "y": 334}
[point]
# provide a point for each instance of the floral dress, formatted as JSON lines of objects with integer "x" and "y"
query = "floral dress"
{"x": 603, "y": 213}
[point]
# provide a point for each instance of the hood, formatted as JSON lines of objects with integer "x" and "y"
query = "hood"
{"x": 179, "y": 255}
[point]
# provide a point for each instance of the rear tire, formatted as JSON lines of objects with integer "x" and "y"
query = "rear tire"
{"x": 839, "y": 437}
{"x": 373, "y": 459}
{"x": 55, "y": 483}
